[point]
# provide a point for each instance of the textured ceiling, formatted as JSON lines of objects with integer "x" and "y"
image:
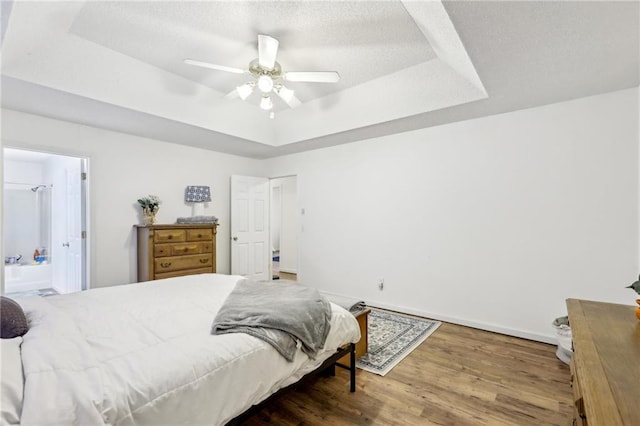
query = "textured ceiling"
{"x": 404, "y": 65}
{"x": 312, "y": 36}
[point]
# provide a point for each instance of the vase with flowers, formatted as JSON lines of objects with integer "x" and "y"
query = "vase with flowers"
{"x": 150, "y": 206}
{"x": 636, "y": 286}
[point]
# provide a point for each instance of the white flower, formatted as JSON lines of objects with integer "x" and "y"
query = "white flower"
{"x": 150, "y": 202}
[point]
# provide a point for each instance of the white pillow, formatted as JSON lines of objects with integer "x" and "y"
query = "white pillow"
{"x": 12, "y": 381}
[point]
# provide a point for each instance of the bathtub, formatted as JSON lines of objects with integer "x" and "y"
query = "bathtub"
{"x": 27, "y": 277}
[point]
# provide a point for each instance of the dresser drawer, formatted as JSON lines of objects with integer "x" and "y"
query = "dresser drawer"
{"x": 186, "y": 248}
{"x": 162, "y": 250}
{"x": 177, "y": 263}
{"x": 199, "y": 234}
{"x": 170, "y": 235}
{"x": 179, "y": 249}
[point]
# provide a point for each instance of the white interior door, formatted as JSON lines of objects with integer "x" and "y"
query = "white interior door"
{"x": 74, "y": 243}
{"x": 250, "y": 246}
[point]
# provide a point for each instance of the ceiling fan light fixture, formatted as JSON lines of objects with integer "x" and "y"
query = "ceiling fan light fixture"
{"x": 266, "y": 103}
{"x": 245, "y": 90}
{"x": 265, "y": 83}
{"x": 286, "y": 94}
{"x": 267, "y": 75}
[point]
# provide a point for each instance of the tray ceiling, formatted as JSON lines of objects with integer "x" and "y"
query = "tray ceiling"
{"x": 403, "y": 65}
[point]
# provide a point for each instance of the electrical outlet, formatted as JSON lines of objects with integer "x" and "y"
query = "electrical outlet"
{"x": 381, "y": 284}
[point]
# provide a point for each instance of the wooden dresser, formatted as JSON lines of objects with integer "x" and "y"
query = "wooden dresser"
{"x": 166, "y": 251}
{"x": 605, "y": 366}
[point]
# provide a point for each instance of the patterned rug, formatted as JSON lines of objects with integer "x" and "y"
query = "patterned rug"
{"x": 392, "y": 337}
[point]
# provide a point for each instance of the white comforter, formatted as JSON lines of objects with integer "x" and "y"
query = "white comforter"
{"x": 144, "y": 354}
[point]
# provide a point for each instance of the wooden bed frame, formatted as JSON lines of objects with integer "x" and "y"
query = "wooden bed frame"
{"x": 327, "y": 366}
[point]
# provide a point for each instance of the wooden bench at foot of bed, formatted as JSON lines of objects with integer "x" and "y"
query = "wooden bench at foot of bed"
{"x": 362, "y": 347}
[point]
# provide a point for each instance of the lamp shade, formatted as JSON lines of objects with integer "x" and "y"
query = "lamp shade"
{"x": 245, "y": 90}
{"x": 266, "y": 103}
{"x": 197, "y": 194}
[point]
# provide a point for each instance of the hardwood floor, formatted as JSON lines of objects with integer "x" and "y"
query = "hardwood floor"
{"x": 458, "y": 376}
{"x": 288, "y": 276}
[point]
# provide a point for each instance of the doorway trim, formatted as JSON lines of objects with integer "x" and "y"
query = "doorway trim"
{"x": 85, "y": 212}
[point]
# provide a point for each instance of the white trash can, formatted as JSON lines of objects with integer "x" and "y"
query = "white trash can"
{"x": 563, "y": 335}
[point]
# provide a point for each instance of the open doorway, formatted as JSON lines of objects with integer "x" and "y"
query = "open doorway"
{"x": 44, "y": 214}
{"x": 284, "y": 228}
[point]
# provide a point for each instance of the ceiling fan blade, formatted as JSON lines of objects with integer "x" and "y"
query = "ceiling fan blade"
{"x": 214, "y": 66}
{"x": 313, "y": 76}
{"x": 288, "y": 96}
{"x": 267, "y": 51}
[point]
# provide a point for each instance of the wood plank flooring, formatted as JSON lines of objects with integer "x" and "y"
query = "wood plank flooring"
{"x": 458, "y": 376}
{"x": 288, "y": 276}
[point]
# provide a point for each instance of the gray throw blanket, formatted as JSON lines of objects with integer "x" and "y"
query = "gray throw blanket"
{"x": 278, "y": 313}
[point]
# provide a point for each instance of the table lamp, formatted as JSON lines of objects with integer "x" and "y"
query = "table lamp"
{"x": 198, "y": 195}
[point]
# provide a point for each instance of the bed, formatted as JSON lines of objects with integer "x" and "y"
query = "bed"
{"x": 144, "y": 354}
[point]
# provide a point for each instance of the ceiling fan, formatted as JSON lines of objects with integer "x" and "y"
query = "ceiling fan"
{"x": 268, "y": 76}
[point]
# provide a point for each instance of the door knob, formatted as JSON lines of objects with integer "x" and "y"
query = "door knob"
{"x": 235, "y": 238}
{"x": 65, "y": 244}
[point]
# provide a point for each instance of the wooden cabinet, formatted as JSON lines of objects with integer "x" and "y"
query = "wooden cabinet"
{"x": 166, "y": 251}
{"x": 605, "y": 366}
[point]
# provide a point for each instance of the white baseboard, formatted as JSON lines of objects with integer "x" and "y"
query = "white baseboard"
{"x": 59, "y": 290}
{"x": 544, "y": 338}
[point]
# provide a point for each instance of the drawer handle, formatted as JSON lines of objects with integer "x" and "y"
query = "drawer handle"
{"x": 170, "y": 237}
{"x": 204, "y": 260}
{"x": 186, "y": 249}
{"x": 165, "y": 264}
{"x": 199, "y": 235}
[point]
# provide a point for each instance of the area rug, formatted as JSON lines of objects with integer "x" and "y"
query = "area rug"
{"x": 392, "y": 337}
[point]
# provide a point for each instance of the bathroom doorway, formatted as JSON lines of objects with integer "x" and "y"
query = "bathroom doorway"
{"x": 284, "y": 228}
{"x": 44, "y": 214}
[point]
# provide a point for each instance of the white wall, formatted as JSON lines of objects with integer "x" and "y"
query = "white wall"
{"x": 21, "y": 223}
{"x": 26, "y": 172}
{"x": 491, "y": 222}
{"x": 21, "y": 226}
{"x": 123, "y": 168}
